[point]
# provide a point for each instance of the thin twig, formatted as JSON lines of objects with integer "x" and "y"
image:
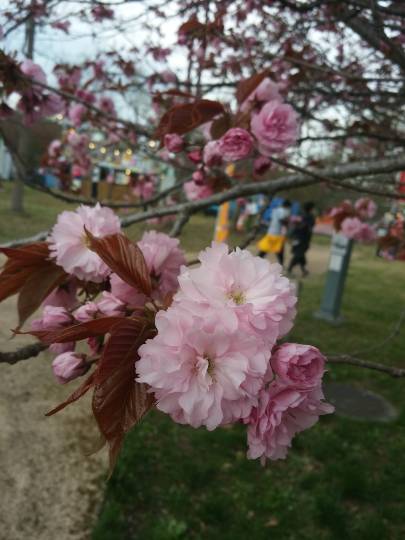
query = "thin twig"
{"x": 181, "y": 220}
{"x": 353, "y": 361}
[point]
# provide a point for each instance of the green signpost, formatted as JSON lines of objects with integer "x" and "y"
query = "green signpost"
{"x": 341, "y": 250}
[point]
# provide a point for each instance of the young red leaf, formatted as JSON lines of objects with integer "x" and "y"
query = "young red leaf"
{"x": 38, "y": 285}
{"x": 124, "y": 258}
{"x": 30, "y": 271}
{"x": 220, "y": 126}
{"x": 119, "y": 402}
{"x": 247, "y": 86}
{"x": 77, "y": 394}
{"x": 30, "y": 253}
{"x": 93, "y": 328}
{"x": 183, "y": 118}
{"x": 20, "y": 264}
{"x": 192, "y": 27}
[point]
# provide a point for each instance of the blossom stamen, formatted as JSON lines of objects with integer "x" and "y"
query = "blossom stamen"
{"x": 238, "y": 297}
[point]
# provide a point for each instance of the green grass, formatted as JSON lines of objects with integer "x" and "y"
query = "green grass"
{"x": 343, "y": 479}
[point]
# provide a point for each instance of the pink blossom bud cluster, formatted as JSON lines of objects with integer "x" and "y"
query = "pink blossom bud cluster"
{"x": 350, "y": 220}
{"x": 270, "y": 126}
{"x": 69, "y": 247}
{"x": 35, "y": 101}
{"x": 215, "y": 358}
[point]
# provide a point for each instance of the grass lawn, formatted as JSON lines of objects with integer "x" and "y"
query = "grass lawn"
{"x": 343, "y": 479}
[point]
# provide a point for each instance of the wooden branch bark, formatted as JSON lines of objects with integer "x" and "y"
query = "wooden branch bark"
{"x": 24, "y": 353}
{"x": 304, "y": 178}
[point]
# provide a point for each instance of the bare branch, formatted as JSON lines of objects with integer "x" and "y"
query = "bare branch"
{"x": 181, "y": 220}
{"x": 305, "y": 178}
{"x": 353, "y": 361}
{"x": 24, "y": 353}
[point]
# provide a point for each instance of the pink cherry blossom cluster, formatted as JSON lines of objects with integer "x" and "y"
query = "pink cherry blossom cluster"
{"x": 35, "y": 102}
{"x": 215, "y": 358}
{"x": 269, "y": 127}
{"x": 69, "y": 248}
{"x": 350, "y": 220}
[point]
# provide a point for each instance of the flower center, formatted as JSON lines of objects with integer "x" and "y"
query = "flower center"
{"x": 238, "y": 297}
{"x": 204, "y": 370}
{"x": 86, "y": 240}
{"x": 210, "y": 368}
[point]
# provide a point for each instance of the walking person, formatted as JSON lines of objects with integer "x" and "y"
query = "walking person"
{"x": 301, "y": 235}
{"x": 275, "y": 238}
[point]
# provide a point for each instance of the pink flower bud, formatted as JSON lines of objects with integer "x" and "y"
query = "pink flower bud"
{"x": 86, "y": 312}
{"x": 110, "y": 305}
{"x": 53, "y": 317}
{"x": 275, "y": 127}
{"x": 198, "y": 177}
{"x": 173, "y": 142}
{"x": 212, "y": 155}
{"x": 298, "y": 366}
{"x": 69, "y": 366}
{"x": 236, "y": 144}
{"x": 261, "y": 165}
{"x": 195, "y": 155}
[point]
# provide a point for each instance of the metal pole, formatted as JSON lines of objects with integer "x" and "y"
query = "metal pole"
{"x": 341, "y": 249}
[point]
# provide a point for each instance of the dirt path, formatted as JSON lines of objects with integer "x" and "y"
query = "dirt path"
{"x": 49, "y": 489}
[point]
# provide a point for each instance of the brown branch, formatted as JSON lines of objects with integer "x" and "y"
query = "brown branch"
{"x": 337, "y": 182}
{"x": 353, "y": 361}
{"x": 305, "y": 178}
{"x": 24, "y": 353}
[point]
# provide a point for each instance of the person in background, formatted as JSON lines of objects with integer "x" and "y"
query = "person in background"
{"x": 301, "y": 234}
{"x": 275, "y": 238}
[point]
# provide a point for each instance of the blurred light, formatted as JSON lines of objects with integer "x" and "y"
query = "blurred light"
{"x": 128, "y": 152}
{"x": 127, "y": 172}
{"x": 152, "y": 144}
{"x": 230, "y": 169}
{"x": 103, "y": 150}
{"x": 117, "y": 152}
{"x": 92, "y": 146}
{"x": 59, "y": 117}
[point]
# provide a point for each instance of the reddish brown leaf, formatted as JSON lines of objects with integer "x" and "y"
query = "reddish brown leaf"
{"x": 124, "y": 258}
{"x": 119, "y": 402}
{"x": 93, "y": 328}
{"x": 77, "y": 394}
{"x": 192, "y": 27}
{"x": 183, "y": 118}
{"x": 247, "y": 86}
{"x": 220, "y": 126}
{"x": 30, "y": 271}
{"x": 29, "y": 253}
{"x": 39, "y": 284}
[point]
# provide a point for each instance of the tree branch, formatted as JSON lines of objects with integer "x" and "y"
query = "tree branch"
{"x": 305, "y": 178}
{"x": 24, "y": 353}
{"x": 353, "y": 361}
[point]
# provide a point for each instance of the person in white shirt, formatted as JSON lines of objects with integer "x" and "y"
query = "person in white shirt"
{"x": 275, "y": 238}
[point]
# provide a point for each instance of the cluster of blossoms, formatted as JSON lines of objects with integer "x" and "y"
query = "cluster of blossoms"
{"x": 350, "y": 220}
{"x": 69, "y": 248}
{"x": 215, "y": 357}
{"x": 264, "y": 126}
{"x": 35, "y": 102}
